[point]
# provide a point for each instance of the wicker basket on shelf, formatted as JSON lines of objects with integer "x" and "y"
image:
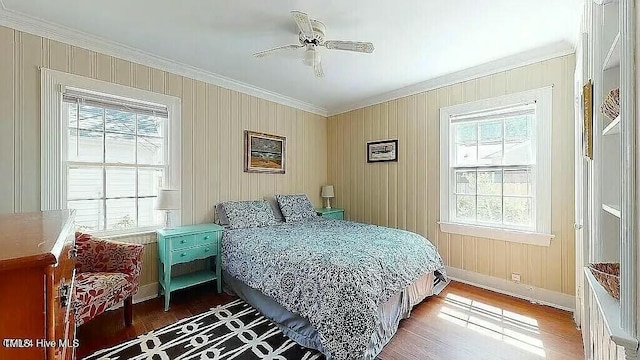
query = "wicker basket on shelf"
{"x": 608, "y": 275}
{"x": 611, "y": 106}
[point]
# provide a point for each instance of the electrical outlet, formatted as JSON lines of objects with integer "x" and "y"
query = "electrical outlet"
{"x": 515, "y": 277}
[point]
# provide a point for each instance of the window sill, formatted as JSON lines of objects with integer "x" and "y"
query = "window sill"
{"x": 142, "y": 237}
{"x": 512, "y": 235}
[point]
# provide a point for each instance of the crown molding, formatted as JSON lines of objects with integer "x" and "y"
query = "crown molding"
{"x": 508, "y": 63}
{"x": 49, "y": 30}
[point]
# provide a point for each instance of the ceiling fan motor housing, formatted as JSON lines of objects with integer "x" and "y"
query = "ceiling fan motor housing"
{"x": 318, "y": 34}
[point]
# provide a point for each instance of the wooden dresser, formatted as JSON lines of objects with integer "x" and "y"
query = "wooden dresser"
{"x": 37, "y": 268}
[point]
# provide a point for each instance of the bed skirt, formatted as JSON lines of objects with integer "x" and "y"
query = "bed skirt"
{"x": 299, "y": 329}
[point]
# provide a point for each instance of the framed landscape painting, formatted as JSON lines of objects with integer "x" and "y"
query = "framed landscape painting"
{"x": 379, "y": 151}
{"x": 264, "y": 153}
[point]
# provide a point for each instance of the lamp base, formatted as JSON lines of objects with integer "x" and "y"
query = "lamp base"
{"x": 167, "y": 219}
{"x": 328, "y": 206}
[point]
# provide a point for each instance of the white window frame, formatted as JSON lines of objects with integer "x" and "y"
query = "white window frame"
{"x": 540, "y": 234}
{"x": 54, "y": 139}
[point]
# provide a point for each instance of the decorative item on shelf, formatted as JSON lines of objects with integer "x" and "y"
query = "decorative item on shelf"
{"x": 168, "y": 200}
{"x": 327, "y": 193}
{"x": 264, "y": 153}
{"x": 587, "y": 98}
{"x": 611, "y": 106}
{"x": 608, "y": 275}
{"x": 379, "y": 151}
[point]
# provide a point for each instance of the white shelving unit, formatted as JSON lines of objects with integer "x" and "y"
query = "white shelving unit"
{"x": 610, "y": 330}
{"x": 612, "y": 210}
{"x": 612, "y": 59}
{"x": 613, "y": 127}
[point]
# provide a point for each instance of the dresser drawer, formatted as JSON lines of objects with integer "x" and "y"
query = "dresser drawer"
{"x": 208, "y": 238}
{"x": 182, "y": 242}
{"x": 187, "y": 255}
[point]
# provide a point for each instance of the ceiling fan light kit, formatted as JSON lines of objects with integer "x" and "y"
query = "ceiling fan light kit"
{"x": 309, "y": 56}
{"x": 311, "y": 37}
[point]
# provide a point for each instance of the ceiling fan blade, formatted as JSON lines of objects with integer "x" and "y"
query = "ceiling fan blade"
{"x": 304, "y": 23}
{"x": 365, "y": 47}
{"x": 317, "y": 64}
{"x": 278, "y": 49}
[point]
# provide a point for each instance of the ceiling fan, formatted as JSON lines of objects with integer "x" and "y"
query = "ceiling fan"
{"x": 311, "y": 37}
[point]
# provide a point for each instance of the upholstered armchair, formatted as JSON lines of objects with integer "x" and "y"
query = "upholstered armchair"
{"x": 107, "y": 273}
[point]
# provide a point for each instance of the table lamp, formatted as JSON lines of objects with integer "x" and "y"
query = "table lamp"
{"x": 327, "y": 193}
{"x": 168, "y": 200}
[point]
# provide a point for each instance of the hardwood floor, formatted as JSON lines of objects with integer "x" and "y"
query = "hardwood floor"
{"x": 463, "y": 322}
{"x": 466, "y": 322}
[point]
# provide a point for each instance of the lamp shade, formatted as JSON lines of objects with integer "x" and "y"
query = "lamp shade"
{"x": 327, "y": 191}
{"x": 168, "y": 200}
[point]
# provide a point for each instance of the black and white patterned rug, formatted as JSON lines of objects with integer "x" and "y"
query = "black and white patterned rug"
{"x": 230, "y": 331}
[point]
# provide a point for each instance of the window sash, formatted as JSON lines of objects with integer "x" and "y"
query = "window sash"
{"x": 477, "y": 118}
{"x": 129, "y": 106}
{"x": 103, "y": 201}
{"x": 104, "y": 198}
{"x": 454, "y": 142}
{"x": 453, "y": 194}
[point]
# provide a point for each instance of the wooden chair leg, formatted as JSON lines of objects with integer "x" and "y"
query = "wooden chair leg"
{"x": 128, "y": 311}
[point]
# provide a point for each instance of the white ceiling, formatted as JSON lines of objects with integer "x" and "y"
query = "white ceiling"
{"x": 415, "y": 40}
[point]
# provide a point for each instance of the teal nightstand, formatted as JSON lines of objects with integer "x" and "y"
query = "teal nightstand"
{"x": 333, "y": 213}
{"x": 185, "y": 244}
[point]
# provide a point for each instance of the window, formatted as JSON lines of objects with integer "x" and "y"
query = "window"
{"x": 495, "y": 167}
{"x": 117, "y": 148}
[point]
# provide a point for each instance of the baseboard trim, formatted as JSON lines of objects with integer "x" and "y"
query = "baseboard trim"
{"x": 502, "y": 286}
{"x": 522, "y": 291}
{"x": 145, "y": 292}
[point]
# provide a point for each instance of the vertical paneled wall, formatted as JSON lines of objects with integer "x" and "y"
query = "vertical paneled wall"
{"x": 213, "y": 120}
{"x": 405, "y": 194}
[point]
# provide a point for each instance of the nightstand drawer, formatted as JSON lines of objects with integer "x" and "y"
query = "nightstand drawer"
{"x": 209, "y": 238}
{"x": 188, "y": 255}
{"x": 182, "y": 242}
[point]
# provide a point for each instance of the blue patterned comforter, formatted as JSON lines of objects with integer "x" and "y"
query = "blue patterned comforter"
{"x": 334, "y": 273}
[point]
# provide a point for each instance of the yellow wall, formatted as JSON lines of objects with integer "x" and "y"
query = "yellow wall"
{"x": 213, "y": 120}
{"x": 405, "y": 194}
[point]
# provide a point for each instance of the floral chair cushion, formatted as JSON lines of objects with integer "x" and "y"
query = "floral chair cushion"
{"x": 97, "y": 292}
{"x": 246, "y": 214}
{"x": 97, "y": 255}
{"x": 296, "y": 207}
{"x": 107, "y": 272}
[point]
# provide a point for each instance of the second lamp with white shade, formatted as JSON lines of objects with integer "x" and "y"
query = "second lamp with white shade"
{"x": 168, "y": 200}
{"x": 327, "y": 193}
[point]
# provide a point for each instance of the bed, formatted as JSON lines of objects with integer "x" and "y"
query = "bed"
{"x": 336, "y": 286}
